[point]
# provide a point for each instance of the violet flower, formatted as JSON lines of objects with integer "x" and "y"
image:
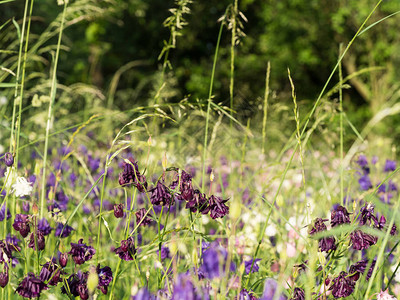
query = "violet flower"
{"x": 217, "y": 206}
{"x": 118, "y": 210}
{"x": 198, "y": 202}
{"x": 342, "y": 286}
{"x": 21, "y": 224}
{"x": 31, "y": 286}
{"x": 77, "y": 285}
{"x": 127, "y": 250}
{"x": 63, "y": 230}
{"x": 390, "y": 166}
{"x": 142, "y": 218}
{"x": 4, "y": 276}
{"x": 3, "y": 213}
{"x": 248, "y": 263}
{"x": 51, "y": 273}
{"x": 105, "y": 277}
{"x": 325, "y": 243}
{"x": 81, "y": 252}
{"x": 340, "y": 216}
{"x": 361, "y": 240}
{"x": 161, "y": 196}
{"x": 365, "y": 183}
{"x": 131, "y": 175}
{"x": 44, "y": 226}
{"x": 39, "y": 240}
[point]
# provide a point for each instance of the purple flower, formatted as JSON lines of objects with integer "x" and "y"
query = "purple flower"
{"x": 3, "y": 213}
{"x": 362, "y": 161}
{"x": 8, "y": 159}
{"x": 339, "y": 216}
{"x": 185, "y": 187}
{"x": 131, "y": 175}
{"x": 359, "y": 268}
{"x": 198, "y": 202}
{"x": 365, "y": 183}
{"x": 361, "y": 240}
{"x": 270, "y": 288}
{"x": 185, "y": 289}
{"x": 342, "y": 286}
{"x": 127, "y": 250}
{"x": 393, "y": 231}
{"x": 44, "y": 226}
{"x": 164, "y": 252}
{"x": 143, "y": 294}
{"x": 247, "y": 265}
{"x": 142, "y": 218}
{"x": 21, "y": 224}
{"x": 367, "y": 215}
{"x": 94, "y": 163}
{"x": 105, "y": 277}
{"x": 77, "y": 285}
{"x": 31, "y": 286}
{"x": 325, "y": 243}
{"x": 390, "y": 166}
{"x": 39, "y": 240}
{"x": 118, "y": 210}
{"x": 246, "y": 295}
{"x": 51, "y": 273}
{"x": 217, "y": 207}
{"x": 214, "y": 261}
{"x": 4, "y": 276}
{"x": 63, "y": 259}
{"x": 81, "y": 252}
{"x": 161, "y": 196}
{"x": 63, "y": 230}
{"x": 298, "y": 294}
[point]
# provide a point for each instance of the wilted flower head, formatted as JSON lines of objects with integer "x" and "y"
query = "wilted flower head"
{"x": 161, "y": 196}
{"x": 342, "y": 286}
{"x": 142, "y": 218}
{"x": 217, "y": 207}
{"x": 31, "y": 286}
{"x": 339, "y": 216}
{"x": 21, "y": 224}
{"x": 81, "y": 252}
{"x": 127, "y": 250}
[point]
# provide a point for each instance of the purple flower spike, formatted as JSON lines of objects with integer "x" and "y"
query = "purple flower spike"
{"x": 21, "y": 224}
{"x": 127, "y": 250}
{"x": 39, "y": 240}
{"x": 142, "y": 218}
{"x": 81, "y": 252}
{"x": 339, "y": 216}
{"x": 31, "y": 286}
{"x": 342, "y": 286}
{"x": 4, "y": 277}
{"x": 217, "y": 206}
{"x": 361, "y": 240}
{"x": 390, "y": 166}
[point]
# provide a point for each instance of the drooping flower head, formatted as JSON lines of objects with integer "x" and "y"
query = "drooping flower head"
{"x": 81, "y": 252}
{"x": 340, "y": 216}
{"x": 325, "y": 243}
{"x": 31, "y": 286}
{"x": 161, "y": 196}
{"x": 4, "y": 276}
{"x": 127, "y": 249}
{"x": 44, "y": 226}
{"x": 361, "y": 240}
{"x": 51, "y": 273}
{"x": 40, "y": 240}
{"x": 198, "y": 202}
{"x": 359, "y": 268}
{"x": 342, "y": 286}
{"x": 21, "y": 224}
{"x": 105, "y": 277}
{"x": 131, "y": 175}
{"x": 118, "y": 210}
{"x": 217, "y": 206}
{"x": 141, "y": 218}
{"x": 77, "y": 285}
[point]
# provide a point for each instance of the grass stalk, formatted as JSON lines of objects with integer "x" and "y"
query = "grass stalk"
{"x": 265, "y": 108}
{"x": 341, "y": 128}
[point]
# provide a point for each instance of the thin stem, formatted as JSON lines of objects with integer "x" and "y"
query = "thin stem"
{"x": 341, "y": 128}
{"x": 265, "y": 110}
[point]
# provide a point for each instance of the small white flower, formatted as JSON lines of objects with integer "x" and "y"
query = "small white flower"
{"x": 384, "y": 295}
{"x": 22, "y": 187}
{"x": 10, "y": 175}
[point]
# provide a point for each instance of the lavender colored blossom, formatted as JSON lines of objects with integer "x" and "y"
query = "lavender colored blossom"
{"x": 214, "y": 261}
{"x": 63, "y": 230}
{"x": 362, "y": 161}
{"x": 161, "y": 196}
{"x": 270, "y": 288}
{"x": 248, "y": 263}
{"x": 143, "y": 294}
{"x": 21, "y": 224}
{"x": 217, "y": 207}
{"x": 365, "y": 183}
{"x": 390, "y": 166}
{"x": 164, "y": 252}
{"x": 3, "y": 213}
{"x": 246, "y": 295}
{"x": 340, "y": 216}
{"x": 44, "y": 226}
{"x": 40, "y": 240}
{"x": 127, "y": 249}
{"x": 361, "y": 240}
{"x": 80, "y": 252}
{"x": 142, "y": 218}
{"x": 31, "y": 286}
{"x": 342, "y": 286}
{"x": 184, "y": 289}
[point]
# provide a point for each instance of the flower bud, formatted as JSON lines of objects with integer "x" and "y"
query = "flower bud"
{"x": 9, "y": 159}
{"x": 63, "y": 259}
{"x": 118, "y": 210}
{"x": 4, "y": 277}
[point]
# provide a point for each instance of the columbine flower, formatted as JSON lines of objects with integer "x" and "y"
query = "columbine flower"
{"x": 81, "y": 252}
{"x": 63, "y": 231}
{"x": 248, "y": 263}
{"x": 217, "y": 206}
{"x": 339, "y": 216}
{"x": 39, "y": 240}
{"x": 4, "y": 277}
{"x": 161, "y": 196}
{"x": 298, "y": 294}
{"x": 325, "y": 243}
{"x": 361, "y": 240}
{"x": 77, "y": 285}
{"x": 342, "y": 286}
{"x": 390, "y": 165}
{"x": 367, "y": 215}
{"x": 105, "y": 278}
{"x": 142, "y": 218}
{"x": 118, "y": 210}
{"x": 44, "y": 226}
{"x": 21, "y": 224}
{"x": 31, "y": 286}
{"x": 131, "y": 175}
{"x": 186, "y": 189}
{"x": 51, "y": 273}
{"x": 63, "y": 259}
{"x": 359, "y": 268}
{"x": 198, "y": 202}
{"x": 22, "y": 187}
{"x": 127, "y": 250}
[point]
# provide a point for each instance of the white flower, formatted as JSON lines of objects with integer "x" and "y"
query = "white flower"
{"x": 10, "y": 175}
{"x": 22, "y": 187}
{"x": 384, "y": 295}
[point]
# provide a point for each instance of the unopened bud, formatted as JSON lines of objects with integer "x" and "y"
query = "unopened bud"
{"x": 35, "y": 209}
{"x": 63, "y": 259}
{"x": 9, "y": 159}
{"x": 149, "y": 142}
{"x": 212, "y": 176}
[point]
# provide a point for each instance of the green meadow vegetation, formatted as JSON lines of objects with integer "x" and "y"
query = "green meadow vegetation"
{"x": 234, "y": 149}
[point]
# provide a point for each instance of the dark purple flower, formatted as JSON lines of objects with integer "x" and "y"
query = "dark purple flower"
{"x": 325, "y": 243}
{"x": 21, "y": 224}
{"x": 390, "y": 166}
{"x": 161, "y": 196}
{"x": 217, "y": 206}
{"x": 81, "y": 252}
{"x": 31, "y": 286}
{"x": 342, "y": 286}
{"x": 359, "y": 268}
{"x": 4, "y": 276}
{"x": 248, "y": 263}
{"x": 127, "y": 250}
{"x": 131, "y": 175}
{"x": 198, "y": 202}
{"x": 118, "y": 210}
{"x": 44, "y": 226}
{"x": 298, "y": 294}
{"x": 365, "y": 183}
{"x": 3, "y": 213}
{"x": 50, "y": 273}
{"x": 63, "y": 259}
{"x": 361, "y": 240}
{"x": 340, "y": 216}
{"x": 8, "y": 159}
{"x": 164, "y": 252}
{"x": 94, "y": 163}
{"x": 105, "y": 277}
{"x": 393, "y": 231}
{"x": 63, "y": 230}
{"x": 77, "y": 285}
{"x": 246, "y": 295}
{"x": 367, "y": 215}
{"x": 39, "y": 240}
{"x": 142, "y": 218}
{"x": 185, "y": 186}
